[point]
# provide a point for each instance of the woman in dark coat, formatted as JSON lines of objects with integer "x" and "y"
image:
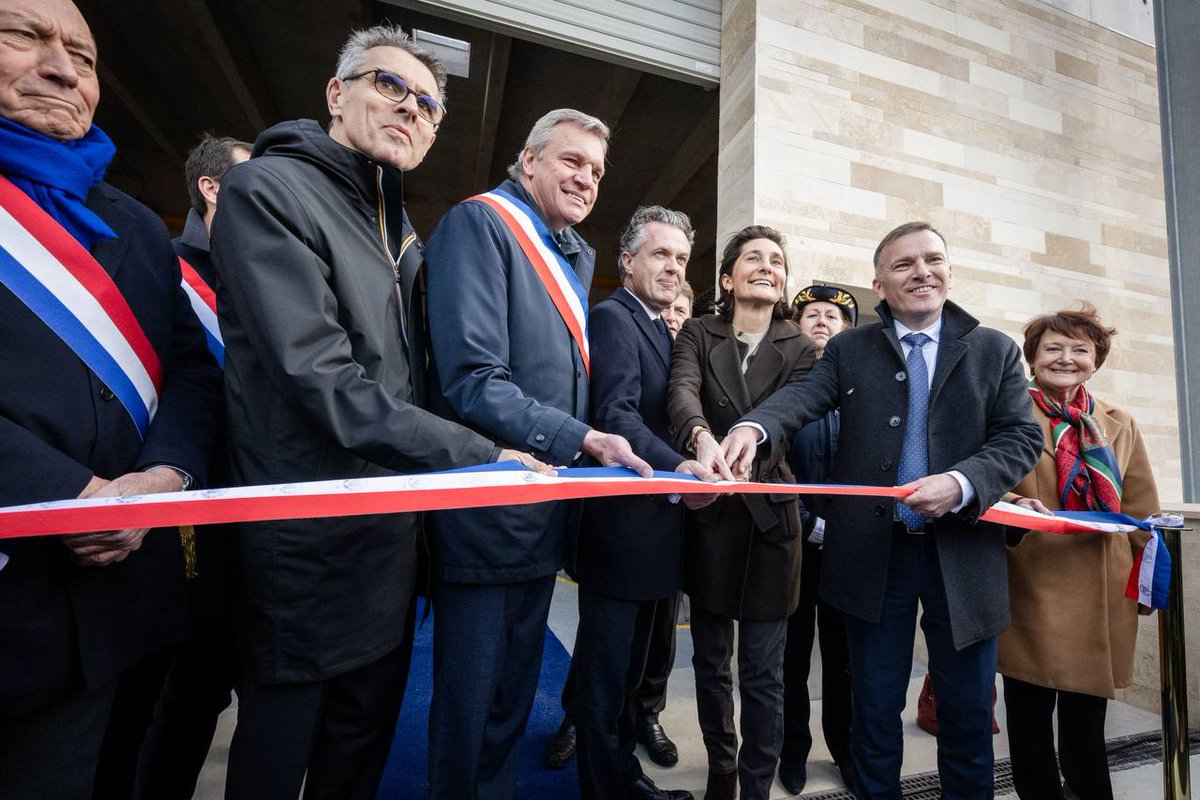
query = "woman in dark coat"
{"x": 742, "y": 553}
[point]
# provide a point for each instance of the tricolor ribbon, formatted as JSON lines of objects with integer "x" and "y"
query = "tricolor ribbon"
{"x": 490, "y": 485}
{"x": 204, "y": 304}
{"x": 60, "y": 282}
{"x": 542, "y": 251}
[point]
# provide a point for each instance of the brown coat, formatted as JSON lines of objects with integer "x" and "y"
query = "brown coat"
{"x": 1072, "y": 626}
{"x": 742, "y": 553}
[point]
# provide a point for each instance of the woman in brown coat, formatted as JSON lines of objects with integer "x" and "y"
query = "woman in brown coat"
{"x": 1073, "y": 630}
{"x": 742, "y": 553}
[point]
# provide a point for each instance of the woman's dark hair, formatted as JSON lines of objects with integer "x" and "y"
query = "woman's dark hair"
{"x": 733, "y": 249}
{"x": 1083, "y": 323}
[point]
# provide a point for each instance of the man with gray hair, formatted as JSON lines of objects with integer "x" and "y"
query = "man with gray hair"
{"x": 324, "y": 379}
{"x": 508, "y": 286}
{"x": 629, "y": 553}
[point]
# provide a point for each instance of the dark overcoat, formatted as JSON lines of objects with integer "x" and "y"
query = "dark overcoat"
{"x": 742, "y": 553}
{"x": 507, "y": 367}
{"x": 980, "y": 424}
{"x": 63, "y": 625}
{"x": 320, "y": 386}
{"x": 631, "y": 548}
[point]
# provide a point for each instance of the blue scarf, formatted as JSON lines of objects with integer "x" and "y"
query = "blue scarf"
{"x": 58, "y": 175}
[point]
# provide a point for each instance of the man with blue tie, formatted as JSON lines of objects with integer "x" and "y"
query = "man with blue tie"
{"x": 934, "y": 402}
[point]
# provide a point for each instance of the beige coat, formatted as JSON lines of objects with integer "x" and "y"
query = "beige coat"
{"x": 1072, "y": 626}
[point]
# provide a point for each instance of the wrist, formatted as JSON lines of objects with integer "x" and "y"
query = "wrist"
{"x": 694, "y": 439}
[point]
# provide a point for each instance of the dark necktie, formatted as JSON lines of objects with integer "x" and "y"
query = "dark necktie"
{"x": 914, "y": 454}
{"x": 664, "y": 336}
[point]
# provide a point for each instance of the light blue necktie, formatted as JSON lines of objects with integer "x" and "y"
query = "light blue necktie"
{"x": 914, "y": 455}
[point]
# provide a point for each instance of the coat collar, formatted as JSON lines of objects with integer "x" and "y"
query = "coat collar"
{"x": 725, "y": 360}
{"x": 109, "y": 253}
{"x": 644, "y": 323}
{"x": 956, "y": 324}
{"x": 195, "y": 235}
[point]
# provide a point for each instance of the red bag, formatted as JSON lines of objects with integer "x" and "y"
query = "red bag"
{"x": 927, "y": 710}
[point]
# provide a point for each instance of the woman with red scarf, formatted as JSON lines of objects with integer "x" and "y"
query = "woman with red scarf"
{"x": 1073, "y": 631}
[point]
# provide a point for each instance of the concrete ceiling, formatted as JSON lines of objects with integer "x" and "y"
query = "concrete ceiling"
{"x": 170, "y": 71}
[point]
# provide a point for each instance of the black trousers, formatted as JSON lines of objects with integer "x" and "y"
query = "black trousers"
{"x": 611, "y": 645}
{"x": 332, "y": 736}
{"x": 760, "y": 645}
{"x": 199, "y": 686}
{"x": 811, "y": 621}
{"x": 132, "y": 711}
{"x": 52, "y": 753}
{"x": 1081, "y": 749}
{"x": 651, "y": 696}
{"x": 487, "y": 657}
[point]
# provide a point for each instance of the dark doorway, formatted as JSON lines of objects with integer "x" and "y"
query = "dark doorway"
{"x": 171, "y": 71}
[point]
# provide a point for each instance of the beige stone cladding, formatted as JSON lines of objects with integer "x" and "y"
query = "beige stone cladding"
{"x": 1027, "y": 135}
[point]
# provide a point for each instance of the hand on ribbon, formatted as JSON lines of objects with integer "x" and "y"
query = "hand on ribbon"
{"x": 739, "y": 448}
{"x": 934, "y": 495}
{"x": 711, "y": 456}
{"x": 109, "y": 547}
{"x": 611, "y": 450}
{"x": 694, "y": 501}
{"x": 1033, "y": 504}
{"x": 527, "y": 460}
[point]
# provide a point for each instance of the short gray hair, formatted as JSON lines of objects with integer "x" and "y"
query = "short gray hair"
{"x": 353, "y": 54}
{"x": 634, "y": 235}
{"x": 543, "y": 131}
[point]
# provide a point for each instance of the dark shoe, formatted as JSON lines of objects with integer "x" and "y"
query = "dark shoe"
{"x": 721, "y": 787}
{"x": 659, "y": 747}
{"x": 793, "y": 776}
{"x": 644, "y": 789}
{"x": 561, "y": 748}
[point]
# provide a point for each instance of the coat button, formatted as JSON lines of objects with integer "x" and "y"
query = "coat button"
{"x": 106, "y": 394}
{"x": 539, "y": 438}
{"x": 894, "y": 421}
{"x": 724, "y": 401}
{"x": 886, "y": 464}
{"x": 879, "y": 511}
{"x": 901, "y": 375}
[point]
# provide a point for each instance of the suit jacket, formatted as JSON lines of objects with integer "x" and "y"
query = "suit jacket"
{"x": 631, "y": 548}
{"x": 507, "y": 367}
{"x": 1073, "y": 628}
{"x": 64, "y": 626}
{"x": 979, "y": 423}
{"x": 320, "y": 385}
{"x": 742, "y": 553}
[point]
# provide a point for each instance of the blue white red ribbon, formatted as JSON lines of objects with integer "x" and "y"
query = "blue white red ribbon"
{"x": 204, "y": 304}
{"x": 490, "y": 485}
{"x": 60, "y": 282}
{"x": 559, "y": 279}
{"x": 1150, "y": 578}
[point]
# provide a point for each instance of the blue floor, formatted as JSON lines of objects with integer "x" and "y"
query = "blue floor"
{"x": 406, "y": 777}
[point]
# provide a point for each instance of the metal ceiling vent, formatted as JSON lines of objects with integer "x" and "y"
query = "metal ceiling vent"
{"x": 455, "y": 54}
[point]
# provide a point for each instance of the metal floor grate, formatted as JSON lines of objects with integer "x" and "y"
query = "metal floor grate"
{"x": 1124, "y": 752}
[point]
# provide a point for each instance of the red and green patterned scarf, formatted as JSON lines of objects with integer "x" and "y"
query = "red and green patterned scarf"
{"x": 1088, "y": 476}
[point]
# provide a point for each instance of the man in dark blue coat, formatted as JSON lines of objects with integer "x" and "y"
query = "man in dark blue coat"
{"x": 511, "y": 357}
{"x": 629, "y": 554}
{"x": 932, "y": 401}
{"x": 79, "y": 611}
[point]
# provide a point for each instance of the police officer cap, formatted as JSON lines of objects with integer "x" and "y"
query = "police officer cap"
{"x": 819, "y": 292}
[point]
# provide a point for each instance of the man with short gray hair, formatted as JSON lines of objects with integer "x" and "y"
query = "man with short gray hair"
{"x": 508, "y": 286}
{"x": 323, "y": 325}
{"x": 629, "y": 553}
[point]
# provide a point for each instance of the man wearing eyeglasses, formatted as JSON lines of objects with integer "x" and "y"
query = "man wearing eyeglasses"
{"x": 320, "y": 308}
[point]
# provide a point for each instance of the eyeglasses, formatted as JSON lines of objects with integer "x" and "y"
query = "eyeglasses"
{"x": 396, "y": 90}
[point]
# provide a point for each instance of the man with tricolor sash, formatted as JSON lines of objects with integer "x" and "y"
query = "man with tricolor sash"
{"x": 508, "y": 287}
{"x": 108, "y": 391}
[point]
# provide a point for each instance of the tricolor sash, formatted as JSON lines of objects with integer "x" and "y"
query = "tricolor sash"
{"x": 204, "y": 303}
{"x": 537, "y": 243}
{"x": 60, "y": 281}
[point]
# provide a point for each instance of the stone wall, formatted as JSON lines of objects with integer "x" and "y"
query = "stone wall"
{"x": 1027, "y": 135}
